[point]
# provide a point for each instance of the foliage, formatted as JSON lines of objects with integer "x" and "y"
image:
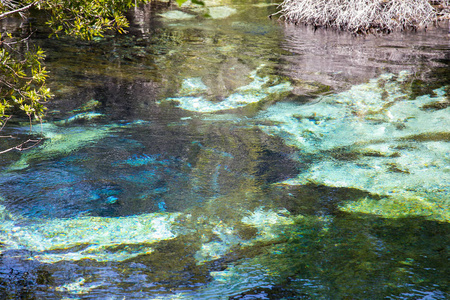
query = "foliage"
{"x": 22, "y": 75}
{"x": 86, "y": 19}
{"x": 22, "y": 80}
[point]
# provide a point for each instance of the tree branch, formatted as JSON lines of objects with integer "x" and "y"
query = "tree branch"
{"x": 23, "y": 146}
{"x": 4, "y": 122}
{"x": 6, "y": 14}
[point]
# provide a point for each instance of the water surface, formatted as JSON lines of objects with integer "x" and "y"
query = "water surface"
{"x": 214, "y": 153}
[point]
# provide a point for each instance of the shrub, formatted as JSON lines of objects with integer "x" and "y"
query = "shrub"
{"x": 360, "y": 16}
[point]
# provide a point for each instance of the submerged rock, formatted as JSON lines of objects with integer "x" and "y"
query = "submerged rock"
{"x": 177, "y": 15}
{"x": 96, "y": 238}
{"x": 373, "y": 138}
{"x": 192, "y": 86}
{"x": 117, "y": 239}
{"x": 77, "y": 287}
{"x": 192, "y": 92}
{"x": 84, "y": 116}
{"x": 61, "y": 141}
{"x": 62, "y": 138}
{"x": 221, "y": 12}
{"x": 268, "y": 223}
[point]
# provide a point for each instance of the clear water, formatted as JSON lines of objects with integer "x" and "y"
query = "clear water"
{"x": 233, "y": 157}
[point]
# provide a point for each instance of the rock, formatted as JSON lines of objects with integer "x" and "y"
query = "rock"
{"x": 373, "y": 138}
{"x": 221, "y": 12}
{"x": 260, "y": 88}
{"x": 177, "y": 15}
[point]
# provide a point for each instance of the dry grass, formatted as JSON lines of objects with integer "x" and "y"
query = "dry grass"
{"x": 360, "y": 16}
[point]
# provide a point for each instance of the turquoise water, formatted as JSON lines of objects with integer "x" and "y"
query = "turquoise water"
{"x": 213, "y": 153}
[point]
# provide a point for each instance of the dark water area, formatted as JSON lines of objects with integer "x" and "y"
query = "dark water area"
{"x": 214, "y": 153}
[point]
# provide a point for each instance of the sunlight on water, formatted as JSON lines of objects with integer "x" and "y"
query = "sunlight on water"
{"x": 246, "y": 240}
{"x": 259, "y": 89}
{"x": 101, "y": 239}
{"x": 62, "y": 139}
{"x": 197, "y": 159}
{"x": 374, "y": 138}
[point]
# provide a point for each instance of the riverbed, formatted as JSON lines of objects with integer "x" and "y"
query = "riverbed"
{"x": 215, "y": 153}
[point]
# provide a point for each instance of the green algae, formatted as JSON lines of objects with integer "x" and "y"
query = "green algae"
{"x": 268, "y": 223}
{"x": 402, "y": 206}
{"x": 89, "y": 106}
{"x": 259, "y": 89}
{"x": 95, "y": 238}
{"x": 336, "y": 256}
{"x": 60, "y": 141}
{"x": 217, "y": 226}
{"x": 192, "y": 86}
{"x": 77, "y": 287}
{"x": 325, "y": 258}
{"x": 373, "y": 138}
{"x": 80, "y": 117}
{"x": 62, "y": 138}
{"x": 104, "y": 239}
{"x": 228, "y": 237}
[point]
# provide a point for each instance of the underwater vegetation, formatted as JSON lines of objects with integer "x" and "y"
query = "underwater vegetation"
{"x": 193, "y": 95}
{"x": 236, "y": 245}
{"x": 373, "y": 137}
{"x": 245, "y": 183}
{"x": 96, "y": 238}
{"x": 357, "y": 206}
{"x": 142, "y": 160}
{"x": 64, "y": 137}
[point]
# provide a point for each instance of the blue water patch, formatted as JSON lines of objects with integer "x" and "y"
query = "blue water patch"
{"x": 53, "y": 192}
{"x": 142, "y": 160}
{"x": 111, "y": 200}
{"x": 162, "y": 206}
{"x": 84, "y": 184}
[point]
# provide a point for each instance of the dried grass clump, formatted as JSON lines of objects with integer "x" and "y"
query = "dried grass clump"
{"x": 360, "y": 16}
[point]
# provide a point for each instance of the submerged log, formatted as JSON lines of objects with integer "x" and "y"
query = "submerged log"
{"x": 366, "y": 16}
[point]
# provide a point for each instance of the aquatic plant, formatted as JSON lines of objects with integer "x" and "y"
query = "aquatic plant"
{"x": 118, "y": 239}
{"x": 237, "y": 250}
{"x": 360, "y": 16}
{"x": 84, "y": 116}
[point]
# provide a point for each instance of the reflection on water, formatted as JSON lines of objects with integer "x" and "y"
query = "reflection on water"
{"x": 232, "y": 157}
{"x": 340, "y": 59}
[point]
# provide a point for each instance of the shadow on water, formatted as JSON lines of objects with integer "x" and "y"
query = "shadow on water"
{"x": 360, "y": 257}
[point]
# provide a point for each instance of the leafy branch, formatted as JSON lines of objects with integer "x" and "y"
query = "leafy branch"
{"x": 23, "y": 76}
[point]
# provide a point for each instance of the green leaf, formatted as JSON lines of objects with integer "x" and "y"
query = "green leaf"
{"x": 198, "y": 2}
{"x": 180, "y": 2}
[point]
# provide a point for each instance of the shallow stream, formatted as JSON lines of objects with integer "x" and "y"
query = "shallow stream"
{"x": 214, "y": 153}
